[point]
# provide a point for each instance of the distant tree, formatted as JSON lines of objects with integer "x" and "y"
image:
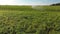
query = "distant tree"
{"x": 57, "y": 4}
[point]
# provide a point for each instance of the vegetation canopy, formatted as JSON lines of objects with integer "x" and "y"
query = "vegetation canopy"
{"x": 26, "y": 20}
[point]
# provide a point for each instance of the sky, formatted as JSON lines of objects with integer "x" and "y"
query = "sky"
{"x": 28, "y": 2}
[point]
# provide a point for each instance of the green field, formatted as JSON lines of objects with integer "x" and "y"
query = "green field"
{"x": 28, "y": 20}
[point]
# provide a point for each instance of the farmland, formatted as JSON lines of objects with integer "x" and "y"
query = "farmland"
{"x": 28, "y": 20}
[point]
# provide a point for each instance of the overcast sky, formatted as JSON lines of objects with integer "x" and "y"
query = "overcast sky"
{"x": 28, "y": 2}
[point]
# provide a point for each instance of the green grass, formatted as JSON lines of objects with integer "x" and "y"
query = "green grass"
{"x": 28, "y": 20}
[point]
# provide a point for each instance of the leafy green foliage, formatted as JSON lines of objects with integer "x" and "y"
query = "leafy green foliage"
{"x": 29, "y": 21}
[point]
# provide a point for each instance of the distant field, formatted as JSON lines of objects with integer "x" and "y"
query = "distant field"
{"x": 28, "y": 20}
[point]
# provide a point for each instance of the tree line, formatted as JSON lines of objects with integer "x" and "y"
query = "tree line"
{"x": 57, "y": 4}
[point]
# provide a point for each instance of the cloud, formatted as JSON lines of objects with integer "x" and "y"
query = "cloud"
{"x": 30, "y": 2}
{"x": 7, "y": 2}
{"x": 11, "y": 2}
{"x": 23, "y": 2}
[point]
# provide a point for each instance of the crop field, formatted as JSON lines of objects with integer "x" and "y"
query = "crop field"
{"x": 28, "y": 20}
